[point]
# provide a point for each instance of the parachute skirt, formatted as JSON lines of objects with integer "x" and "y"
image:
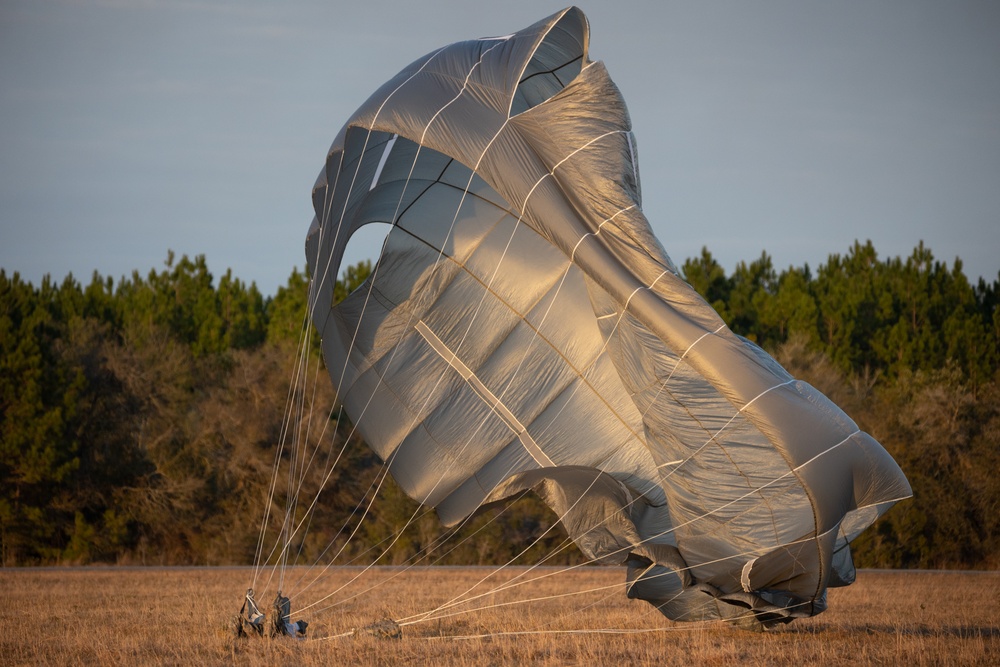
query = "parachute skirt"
{"x": 524, "y": 329}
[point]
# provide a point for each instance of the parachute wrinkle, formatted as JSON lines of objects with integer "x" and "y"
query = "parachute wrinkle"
{"x": 581, "y": 373}
{"x": 663, "y": 383}
{"x": 631, "y": 154}
{"x": 465, "y": 85}
{"x": 731, "y": 420}
{"x": 766, "y": 485}
{"x": 595, "y": 233}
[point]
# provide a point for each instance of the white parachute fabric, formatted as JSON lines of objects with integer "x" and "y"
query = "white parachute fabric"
{"x": 524, "y": 329}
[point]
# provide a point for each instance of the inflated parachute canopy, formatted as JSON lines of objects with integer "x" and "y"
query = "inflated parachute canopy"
{"x": 525, "y": 330}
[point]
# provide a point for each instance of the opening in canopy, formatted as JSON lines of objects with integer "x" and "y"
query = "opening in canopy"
{"x": 557, "y": 61}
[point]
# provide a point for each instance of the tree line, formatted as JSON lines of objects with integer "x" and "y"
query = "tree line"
{"x": 140, "y": 421}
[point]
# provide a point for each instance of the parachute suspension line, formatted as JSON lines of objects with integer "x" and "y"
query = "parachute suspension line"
{"x": 690, "y": 626}
{"x": 307, "y": 465}
{"x": 457, "y": 600}
{"x": 427, "y": 550}
{"x": 687, "y": 627}
{"x": 384, "y": 474}
{"x": 418, "y": 618}
{"x": 308, "y": 515}
{"x": 303, "y": 332}
{"x": 380, "y": 477}
{"x": 433, "y": 615}
{"x": 376, "y": 485}
{"x": 300, "y": 382}
{"x": 291, "y": 497}
{"x": 373, "y": 547}
{"x": 305, "y": 342}
{"x": 296, "y": 467}
{"x": 423, "y": 554}
{"x": 777, "y": 479}
{"x": 293, "y": 418}
{"x": 327, "y": 467}
{"x": 328, "y": 470}
{"x": 755, "y": 552}
{"x": 284, "y": 536}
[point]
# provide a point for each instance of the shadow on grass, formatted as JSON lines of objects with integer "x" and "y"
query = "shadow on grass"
{"x": 959, "y": 631}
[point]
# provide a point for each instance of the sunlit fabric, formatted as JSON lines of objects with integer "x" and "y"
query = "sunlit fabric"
{"x": 525, "y": 330}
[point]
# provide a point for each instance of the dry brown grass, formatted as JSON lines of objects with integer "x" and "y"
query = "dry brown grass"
{"x": 174, "y": 616}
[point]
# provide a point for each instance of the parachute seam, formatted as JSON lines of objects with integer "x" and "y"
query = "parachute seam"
{"x": 485, "y": 394}
{"x": 551, "y": 71}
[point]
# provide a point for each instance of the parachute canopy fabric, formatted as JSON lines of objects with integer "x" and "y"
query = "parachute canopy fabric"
{"x": 523, "y": 329}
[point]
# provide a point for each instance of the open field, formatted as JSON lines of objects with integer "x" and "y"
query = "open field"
{"x": 113, "y": 616}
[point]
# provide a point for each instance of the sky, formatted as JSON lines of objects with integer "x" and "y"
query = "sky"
{"x": 131, "y": 128}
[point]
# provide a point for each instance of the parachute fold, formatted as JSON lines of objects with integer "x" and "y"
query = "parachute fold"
{"x": 523, "y": 329}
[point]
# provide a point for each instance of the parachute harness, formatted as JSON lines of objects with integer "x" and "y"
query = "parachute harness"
{"x": 251, "y": 621}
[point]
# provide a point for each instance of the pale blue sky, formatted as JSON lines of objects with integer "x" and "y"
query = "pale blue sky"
{"x": 130, "y": 128}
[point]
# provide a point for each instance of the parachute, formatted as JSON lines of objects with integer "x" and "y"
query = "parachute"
{"x": 523, "y": 329}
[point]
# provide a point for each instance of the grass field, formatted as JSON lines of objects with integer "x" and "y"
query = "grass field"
{"x": 178, "y": 616}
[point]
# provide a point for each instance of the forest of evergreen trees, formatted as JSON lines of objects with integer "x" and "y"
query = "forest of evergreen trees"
{"x": 139, "y": 420}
